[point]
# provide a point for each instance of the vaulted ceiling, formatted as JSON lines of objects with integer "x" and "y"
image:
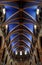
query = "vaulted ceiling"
{"x": 20, "y": 18}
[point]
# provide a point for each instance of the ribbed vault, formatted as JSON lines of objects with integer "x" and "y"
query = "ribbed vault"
{"x": 22, "y": 20}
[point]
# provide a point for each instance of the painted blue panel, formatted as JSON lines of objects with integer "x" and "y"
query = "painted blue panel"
{"x": 11, "y": 26}
{"x": 27, "y": 49}
{"x": 28, "y": 43}
{"x": 10, "y": 11}
{"x": 32, "y": 11}
{"x": 12, "y": 36}
{"x": 29, "y": 26}
{"x": 28, "y": 36}
{"x": 33, "y": 8}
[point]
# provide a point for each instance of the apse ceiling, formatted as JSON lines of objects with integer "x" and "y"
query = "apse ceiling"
{"x": 20, "y": 18}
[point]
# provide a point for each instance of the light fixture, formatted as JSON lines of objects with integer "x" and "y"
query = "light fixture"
{"x": 35, "y": 27}
{"x": 20, "y": 52}
{"x": 37, "y": 12}
{"x": 4, "y": 11}
{"x": 16, "y": 53}
{"x": 25, "y": 52}
{"x": 6, "y": 26}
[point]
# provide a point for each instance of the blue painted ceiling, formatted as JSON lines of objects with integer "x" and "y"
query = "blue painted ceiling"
{"x": 31, "y": 10}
